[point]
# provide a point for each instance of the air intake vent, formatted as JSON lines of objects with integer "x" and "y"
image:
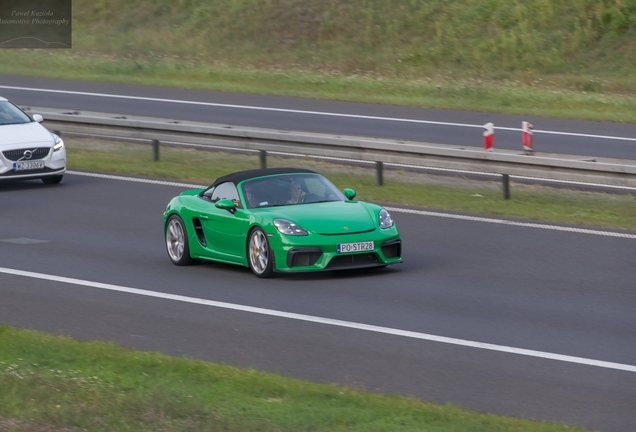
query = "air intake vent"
{"x": 303, "y": 257}
{"x": 198, "y": 230}
{"x": 392, "y": 248}
{"x": 353, "y": 260}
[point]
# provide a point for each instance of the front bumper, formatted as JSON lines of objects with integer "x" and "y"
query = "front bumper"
{"x": 54, "y": 164}
{"x": 316, "y": 252}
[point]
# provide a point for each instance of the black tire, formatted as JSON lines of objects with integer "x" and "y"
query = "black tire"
{"x": 177, "y": 244}
{"x": 260, "y": 257}
{"x": 52, "y": 179}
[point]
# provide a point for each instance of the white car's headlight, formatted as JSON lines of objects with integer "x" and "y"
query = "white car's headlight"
{"x": 289, "y": 228}
{"x": 59, "y": 144}
{"x": 385, "y": 219}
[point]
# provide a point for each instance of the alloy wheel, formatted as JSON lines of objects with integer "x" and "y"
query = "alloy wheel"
{"x": 259, "y": 252}
{"x": 175, "y": 239}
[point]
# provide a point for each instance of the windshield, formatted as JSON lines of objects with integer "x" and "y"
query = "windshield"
{"x": 11, "y": 114}
{"x": 289, "y": 189}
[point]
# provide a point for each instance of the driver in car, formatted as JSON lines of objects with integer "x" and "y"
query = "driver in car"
{"x": 251, "y": 199}
{"x": 295, "y": 192}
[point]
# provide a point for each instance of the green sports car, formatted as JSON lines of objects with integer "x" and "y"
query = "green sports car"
{"x": 279, "y": 220}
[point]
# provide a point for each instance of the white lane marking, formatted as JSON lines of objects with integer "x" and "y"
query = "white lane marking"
{"x": 357, "y": 116}
{"x": 393, "y": 209}
{"x": 136, "y": 180}
{"x": 514, "y": 223}
{"x": 327, "y": 321}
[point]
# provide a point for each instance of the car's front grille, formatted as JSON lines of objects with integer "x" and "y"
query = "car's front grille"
{"x": 353, "y": 260}
{"x": 37, "y": 153}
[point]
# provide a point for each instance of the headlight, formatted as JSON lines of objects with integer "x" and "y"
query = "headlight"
{"x": 289, "y": 228}
{"x": 59, "y": 144}
{"x": 385, "y": 219}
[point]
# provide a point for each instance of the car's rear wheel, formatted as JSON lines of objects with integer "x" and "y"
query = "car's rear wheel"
{"x": 177, "y": 242}
{"x": 259, "y": 254}
{"x": 52, "y": 179}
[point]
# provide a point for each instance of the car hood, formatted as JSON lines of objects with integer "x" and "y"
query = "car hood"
{"x": 24, "y": 134}
{"x": 330, "y": 218}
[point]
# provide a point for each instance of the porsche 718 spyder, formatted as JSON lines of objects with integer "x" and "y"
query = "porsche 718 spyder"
{"x": 279, "y": 220}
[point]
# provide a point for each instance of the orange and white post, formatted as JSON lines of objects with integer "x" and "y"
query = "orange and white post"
{"x": 526, "y": 136}
{"x": 489, "y": 137}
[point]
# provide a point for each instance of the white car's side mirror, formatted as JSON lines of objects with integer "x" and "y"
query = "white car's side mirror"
{"x": 38, "y": 118}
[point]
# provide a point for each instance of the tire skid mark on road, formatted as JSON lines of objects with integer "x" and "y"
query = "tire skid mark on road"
{"x": 326, "y": 321}
{"x": 393, "y": 209}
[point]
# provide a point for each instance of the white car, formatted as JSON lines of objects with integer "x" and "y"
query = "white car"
{"x": 27, "y": 149}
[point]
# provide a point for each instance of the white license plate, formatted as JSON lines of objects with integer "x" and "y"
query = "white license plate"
{"x": 354, "y": 247}
{"x": 28, "y": 165}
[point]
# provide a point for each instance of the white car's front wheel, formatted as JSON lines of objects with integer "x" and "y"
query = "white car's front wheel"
{"x": 52, "y": 179}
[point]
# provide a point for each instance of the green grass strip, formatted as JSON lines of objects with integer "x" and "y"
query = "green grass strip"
{"x": 57, "y": 383}
{"x": 406, "y": 188}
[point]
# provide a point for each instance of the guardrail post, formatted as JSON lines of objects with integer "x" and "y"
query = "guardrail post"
{"x": 505, "y": 179}
{"x": 263, "y": 158}
{"x": 379, "y": 166}
{"x": 155, "y": 150}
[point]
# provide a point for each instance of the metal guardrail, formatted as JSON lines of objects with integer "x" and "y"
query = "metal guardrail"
{"x": 569, "y": 168}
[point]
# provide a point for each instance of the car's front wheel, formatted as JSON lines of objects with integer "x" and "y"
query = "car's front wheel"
{"x": 52, "y": 179}
{"x": 177, "y": 242}
{"x": 259, "y": 254}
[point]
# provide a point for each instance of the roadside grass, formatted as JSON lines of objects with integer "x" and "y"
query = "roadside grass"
{"x": 459, "y": 194}
{"x": 524, "y": 95}
{"x": 572, "y": 58}
{"x": 56, "y": 383}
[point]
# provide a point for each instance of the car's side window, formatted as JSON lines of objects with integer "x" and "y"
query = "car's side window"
{"x": 208, "y": 193}
{"x": 225, "y": 190}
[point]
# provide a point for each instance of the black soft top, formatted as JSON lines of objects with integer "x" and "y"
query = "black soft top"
{"x": 238, "y": 177}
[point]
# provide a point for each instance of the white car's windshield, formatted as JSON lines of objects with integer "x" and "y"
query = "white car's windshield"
{"x": 10, "y": 114}
{"x": 289, "y": 189}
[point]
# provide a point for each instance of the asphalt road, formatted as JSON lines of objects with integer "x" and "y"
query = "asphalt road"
{"x": 545, "y": 290}
{"x": 300, "y": 114}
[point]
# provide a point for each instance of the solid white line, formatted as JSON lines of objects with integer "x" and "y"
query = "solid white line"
{"x": 136, "y": 180}
{"x": 177, "y": 101}
{"x": 327, "y": 321}
{"x": 514, "y": 223}
{"x": 393, "y": 209}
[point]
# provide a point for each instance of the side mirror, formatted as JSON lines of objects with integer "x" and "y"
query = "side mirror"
{"x": 38, "y": 118}
{"x": 226, "y": 204}
{"x": 350, "y": 194}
